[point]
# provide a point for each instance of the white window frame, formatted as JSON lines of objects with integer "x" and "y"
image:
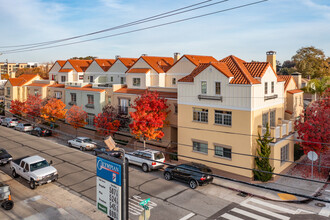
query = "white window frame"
{"x": 203, "y": 87}
{"x": 215, "y": 85}
{"x": 58, "y": 94}
{"x": 223, "y": 117}
{"x": 221, "y": 149}
{"x": 200, "y": 147}
{"x": 136, "y": 82}
{"x": 200, "y": 115}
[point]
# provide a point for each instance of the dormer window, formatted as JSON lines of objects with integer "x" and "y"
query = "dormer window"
{"x": 203, "y": 87}
{"x": 266, "y": 88}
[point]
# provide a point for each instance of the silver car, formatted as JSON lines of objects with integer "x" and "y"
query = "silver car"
{"x": 10, "y": 122}
{"x": 26, "y": 127}
{"x": 83, "y": 143}
{"x": 147, "y": 159}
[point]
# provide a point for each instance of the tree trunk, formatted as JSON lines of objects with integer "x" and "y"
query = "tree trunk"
{"x": 144, "y": 144}
{"x": 320, "y": 163}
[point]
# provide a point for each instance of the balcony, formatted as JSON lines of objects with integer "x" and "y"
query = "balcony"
{"x": 280, "y": 131}
{"x": 89, "y": 106}
{"x": 75, "y": 84}
{"x": 101, "y": 85}
{"x": 123, "y": 110}
{"x": 269, "y": 97}
{"x": 209, "y": 97}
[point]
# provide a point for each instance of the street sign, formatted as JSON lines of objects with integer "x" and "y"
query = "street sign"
{"x": 312, "y": 156}
{"x": 144, "y": 202}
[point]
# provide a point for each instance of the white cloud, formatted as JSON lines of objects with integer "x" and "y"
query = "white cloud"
{"x": 321, "y": 8}
{"x": 115, "y": 4}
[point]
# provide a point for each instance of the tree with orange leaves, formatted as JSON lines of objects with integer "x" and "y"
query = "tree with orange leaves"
{"x": 53, "y": 110}
{"x": 76, "y": 117}
{"x": 148, "y": 119}
{"x": 17, "y": 107}
{"x": 33, "y": 106}
{"x": 106, "y": 124}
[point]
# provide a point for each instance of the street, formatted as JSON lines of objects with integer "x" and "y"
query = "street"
{"x": 73, "y": 195}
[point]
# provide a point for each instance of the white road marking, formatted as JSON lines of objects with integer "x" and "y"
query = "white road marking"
{"x": 248, "y": 214}
{"x": 187, "y": 216}
{"x": 32, "y": 199}
{"x": 325, "y": 211}
{"x": 231, "y": 217}
{"x": 265, "y": 211}
{"x": 276, "y": 207}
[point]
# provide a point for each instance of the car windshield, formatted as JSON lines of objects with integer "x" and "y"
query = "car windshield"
{"x": 205, "y": 170}
{"x": 158, "y": 156}
{"x": 87, "y": 140}
{"x": 39, "y": 165}
{"x": 3, "y": 151}
{"x": 14, "y": 119}
{"x": 27, "y": 124}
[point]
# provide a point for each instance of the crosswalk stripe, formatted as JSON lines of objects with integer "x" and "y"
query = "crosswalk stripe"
{"x": 261, "y": 210}
{"x": 248, "y": 214}
{"x": 279, "y": 208}
{"x": 230, "y": 217}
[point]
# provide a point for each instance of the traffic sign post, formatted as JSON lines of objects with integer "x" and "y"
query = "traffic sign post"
{"x": 312, "y": 156}
{"x": 144, "y": 206}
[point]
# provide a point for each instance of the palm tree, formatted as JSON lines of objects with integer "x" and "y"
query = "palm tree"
{"x": 317, "y": 86}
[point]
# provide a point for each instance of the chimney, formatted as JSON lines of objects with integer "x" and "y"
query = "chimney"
{"x": 297, "y": 78}
{"x": 271, "y": 58}
{"x": 176, "y": 57}
{"x": 117, "y": 56}
{"x": 144, "y": 55}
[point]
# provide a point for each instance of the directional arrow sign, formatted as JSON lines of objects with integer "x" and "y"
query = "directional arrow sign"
{"x": 144, "y": 202}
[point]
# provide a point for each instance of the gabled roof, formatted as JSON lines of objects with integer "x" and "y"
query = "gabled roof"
{"x": 196, "y": 59}
{"x": 22, "y": 79}
{"x": 295, "y": 91}
{"x": 38, "y": 84}
{"x": 105, "y": 64}
{"x": 80, "y": 65}
{"x": 61, "y": 62}
{"x": 128, "y": 62}
{"x": 286, "y": 79}
{"x": 159, "y": 64}
{"x": 222, "y": 67}
{"x": 138, "y": 70}
{"x": 65, "y": 70}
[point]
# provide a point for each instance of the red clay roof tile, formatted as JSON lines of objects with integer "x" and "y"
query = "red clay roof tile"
{"x": 80, "y": 65}
{"x": 128, "y": 62}
{"x": 139, "y": 70}
{"x": 159, "y": 64}
{"x": 65, "y": 70}
{"x": 172, "y": 95}
{"x": 295, "y": 91}
{"x": 105, "y": 64}
{"x": 38, "y": 84}
{"x": 22, "y": 79}
{"x": 57, "y": 85}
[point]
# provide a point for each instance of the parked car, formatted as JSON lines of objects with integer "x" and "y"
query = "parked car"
{"x": 107, "y": 151}
{"x": 2, "y": 118}
{"x": 147, "y": 159}
{"x": 10, "y": 122}
{"x": 36, "y": 170}
{"x": 83, "y": 143}
{"x": 5, "y": 157}
{"x": 26, "y": 127}
{"x": 194, "y": 174}
{"x": 39, "y": 131}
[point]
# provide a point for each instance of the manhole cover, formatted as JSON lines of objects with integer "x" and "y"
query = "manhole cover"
{"x": 320, "y": 204}
{"x": 243, "y": 194}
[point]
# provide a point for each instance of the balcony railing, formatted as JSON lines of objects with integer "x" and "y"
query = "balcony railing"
{"x": 284, "y": 129}
{"x": 271, "y": 97}
{"x": 123, "y": 110}
{"x": 209, "y": 97}
{"x": 75, "y": 84}
{"x": 102, "y": 85}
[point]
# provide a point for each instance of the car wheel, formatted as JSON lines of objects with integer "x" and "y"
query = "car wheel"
{"x": 14, "y": 174}
{"x": 167, "y": 176}
{"x": 32, "y": 184}
{"x": 145, "y": 167}
{"x": 7, "y": 205}
{"x": 81, "y": 148}
{"x": 193, "y": 184}
{"x": 70, "y": 145}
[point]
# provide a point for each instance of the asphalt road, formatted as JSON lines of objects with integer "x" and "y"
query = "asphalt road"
{"x": 169, "y": 199}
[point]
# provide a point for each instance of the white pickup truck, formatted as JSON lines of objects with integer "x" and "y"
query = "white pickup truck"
{"x": 36, "y": 170}
{"x": 147, "y": 159}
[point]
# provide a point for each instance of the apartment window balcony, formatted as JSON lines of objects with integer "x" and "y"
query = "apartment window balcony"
{"x": 269, "y": 97}
{"x": 76, "y": 84}
{"x": 123, "y": 110}
{"x": 210, "y": 97}
{"x": 89, "y": 106}
{"x": 280, "y": 131}
{"x": 102, "y": 85}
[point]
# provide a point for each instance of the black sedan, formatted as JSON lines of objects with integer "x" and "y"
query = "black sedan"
{"x": 39, "y": 131}
{"x": 5, "y": 157}
{"x": 194, "y": 174}
{"x": 104, "y": 150}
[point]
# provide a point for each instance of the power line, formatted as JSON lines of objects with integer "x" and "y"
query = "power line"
{"x": 141, "y": 29}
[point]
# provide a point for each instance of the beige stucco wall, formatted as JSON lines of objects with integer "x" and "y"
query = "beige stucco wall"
{"x": 182, "y": 68}
{"x": 52, "y": 90}
{"x": 276, "y": 153}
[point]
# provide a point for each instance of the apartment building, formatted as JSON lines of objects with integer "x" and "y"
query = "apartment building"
{"x": 223, "y": 105}
{"x": 95, "y": 73}
{"x": 39, "y": 87}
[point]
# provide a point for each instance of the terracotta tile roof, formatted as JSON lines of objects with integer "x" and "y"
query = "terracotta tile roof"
{"x": 80, "y": 65}
{"x": 287, "y": 79}
{"x": 65, "y": 70}
{"x": 159, "y": 64}
{"x": 222, "y": 67}
{"x": 57, "y": 85}
{"x": 128, "y": 62}
{"x": 38, "y": 84}
{"x": 295, "y": 91}
{"x": 22, "y": 79}
{"x": 105, "y": 64}
{"x": 172, "y": 95}
{"x": 197, "y": 59}
{"x": 257, "y": 69}
{"x": 139, "y": 70}
{"x": 61, "y": 62}
{"x": 88, "y": 87}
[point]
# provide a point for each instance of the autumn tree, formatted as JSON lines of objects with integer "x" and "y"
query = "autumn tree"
{"x": 36, "y": 70}
{"x": 317, "y": 86}
{"x": 53, "y": 110}
{"x": 149, "y": 116}
{"x": 123, "y": 119}
{"x": 312, "y": 62}
{"x": 33, "y": 105}
{"x": 76, "y": 117}
{"x": 106, "y": 124}
{"x": 314, "y": 128}
{"x": 17, "y": 107}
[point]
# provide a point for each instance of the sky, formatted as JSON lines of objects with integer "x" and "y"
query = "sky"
{"x": 283, "y": 26}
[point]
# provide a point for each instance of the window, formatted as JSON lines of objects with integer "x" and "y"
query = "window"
{"x": 222, "y": 117}
{"x": 284, "y": 153}
{"x": 265, "y": 119}
{"x": 90, "y": 119}
{"x": 73, "y": 97}
{"x": 272, "y": 87}
{"x": 36, "y": 92}
{"x": 8, "y": 91}
{"x": 200, "y": 114}
{"x": 222, "y": 152}
{"x": 58, "y": 95}
{"x": 266, "y": 88}
{"x": 122, "y": 80}
{"x": 53, "y": 77}
{"x": 272, "y": 117}
{"x": 218, "y": 88}
{"x": 91, "y": 79}
{"x": 63, "y": 78}
{"x": 136, "y": 81}
{"x": 81, "y": 77}
{"x": 173, "y": 81}
{"x": 175, "y": 108}
{"x": 111, "y": 79}
{"x": 90, "y": 99}
{"x": 204, "y": 87}
{"x": 200, "y": 147}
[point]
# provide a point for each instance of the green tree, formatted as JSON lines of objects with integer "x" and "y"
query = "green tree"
{"x": 84, "y": 58}
{"x": 312, "y": 62}
{"x": 262, "y": 159}
{"x": 317, "y": 86}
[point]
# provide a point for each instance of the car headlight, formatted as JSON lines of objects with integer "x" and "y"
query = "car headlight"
{"x": 55, "y": 173}
{"x": 38, "y": 178}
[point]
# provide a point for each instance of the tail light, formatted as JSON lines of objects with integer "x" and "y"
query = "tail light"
{"x": 44, "y": 131}
{"x": 203, "y": 178}
{"x": 153, "y": 163}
